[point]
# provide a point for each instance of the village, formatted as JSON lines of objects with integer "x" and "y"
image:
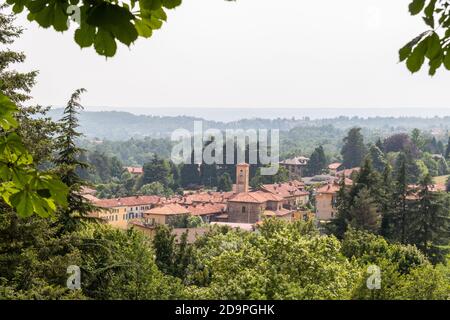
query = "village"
{"x": 244, "y": 208}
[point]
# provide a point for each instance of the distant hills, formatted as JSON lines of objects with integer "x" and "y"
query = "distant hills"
{"x": 120, "y": 125}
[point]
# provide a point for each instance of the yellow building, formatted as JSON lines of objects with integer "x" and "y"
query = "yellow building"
{"x": 119, "y": 211}
{"x": 326, "y": 201}
{"x": 163, "y": 214}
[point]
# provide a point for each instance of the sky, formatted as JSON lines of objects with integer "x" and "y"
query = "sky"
{"x": 248, "y": 53}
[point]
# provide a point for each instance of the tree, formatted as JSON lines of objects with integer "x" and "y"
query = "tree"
{"x": 317, "y": 162}
{"x": 354, "y": 150}
{"x": 364, "y": 214}
{"x": 157, "y": 170}
{"x": 417, "y": 139}
{"x": 400, "y": 142}
{"x": 448, "y": 185}
{"x": 379, "y": 161}
{"x": 430, "y": 45}
{"x": 154, "y": 188}
{"x": 447, "y": 151}
{"x": 225, "y": 184}
{"x": 125, "y": 21}
{"x": 431, "y": 222}
{"x": 401, "y": 211}
{"x": 67, "y": 162}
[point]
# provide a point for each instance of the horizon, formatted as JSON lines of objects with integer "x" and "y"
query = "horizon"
{"x": 223, "y": 114}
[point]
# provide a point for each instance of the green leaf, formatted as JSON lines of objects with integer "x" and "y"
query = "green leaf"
{"x": 170, "y": 4}
{"x": 105, "y": 44}
{"x": 416, "y": 6}
{"x": 417, "y": 56}
{"x": 446, "y": 60}
{"x": 434, "y": 65}
{"x": 434, "y": 46}
{"x": 85, "y": 35}
{"x": 60, "y": 20}
{"x": 143, "y": 29}
{"x": 23, "y": 203}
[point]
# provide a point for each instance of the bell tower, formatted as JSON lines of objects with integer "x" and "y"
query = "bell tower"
{"x": 242, "y": 177}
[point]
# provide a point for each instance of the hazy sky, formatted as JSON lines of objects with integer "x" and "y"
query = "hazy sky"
{"x": 248, "y": 53}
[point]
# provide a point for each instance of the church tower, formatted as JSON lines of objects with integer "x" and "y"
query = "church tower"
{"x": 242, "y": 177}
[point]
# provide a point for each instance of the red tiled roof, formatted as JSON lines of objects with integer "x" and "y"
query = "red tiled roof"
{"x": 277, "y": 213}
{"x": 135, "y": 170}
{"x": 287, "y": 189}
{"x": 255, "y": 197}
{"x": 333, "y": 187}
{"x": 334, "y": 166}
{"x": 168, "y": 209}
{"x": 127, "y": 201}
{"x": 206, "y": 209}
{"x": 348, "y": 172}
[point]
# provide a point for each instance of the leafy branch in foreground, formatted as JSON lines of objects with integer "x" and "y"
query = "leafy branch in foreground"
{"x": 432, "y": 45}
{"x": 101, "y": 22}
{"x": 22, "y": 186}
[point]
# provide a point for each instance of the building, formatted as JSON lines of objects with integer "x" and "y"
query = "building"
{"x": 252, "y": 207}
{"x": 207, "y": 211}
{"x": 295, "y": 166}
{"x": 135, "y": 170}
{"x": 293, "y": 193}
{"x": 119, "y": 211}
{"x": 348, "y": 173}
{"x": 164, "y": 214}
{"x": 242, "y": 177}
{"x": 335, "y": 167}
{"x": 326, "y": 199}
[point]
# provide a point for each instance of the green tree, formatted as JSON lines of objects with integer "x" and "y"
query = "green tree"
{"x": 67, "y": 162}
{"x": 125, "y": 22}
{"x": 317, "y": 162}
{"x": 225, "y": 184}
{"x": 354, "y": 149}
{"x": 447, "y": 150}
{"x": 378, "y": 158}
{"x": 364, "y": 214}
{"x": 157, "y": 170}
{"x": 431, "y": 222}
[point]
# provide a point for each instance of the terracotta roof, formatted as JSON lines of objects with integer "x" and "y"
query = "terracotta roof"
{"x": 348, "y": 172}
{"x": 329, "y": 188}
{"x": 135, "y": 170}
{"x": 255, "y": 197}
{"x": 206, "y": 209}
{"x": 334, "y": 165}
{"x": 287, "y": 189}
{"x": 127, "y": 201}
{"x": 168, "y": 209}
{"x": 277, "y": 213}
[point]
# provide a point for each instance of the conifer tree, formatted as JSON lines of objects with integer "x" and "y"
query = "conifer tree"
{"x": 354, "y": 150}
{"x": 364, "y": 213}
{"x": 431, "y": 222}
{"x": 447, "y": 151}
{"x": 317, "y": 162}
{"x": 68, "y": 163}
{"x": 401, "y": 211}
{"x": 338, "y": 226}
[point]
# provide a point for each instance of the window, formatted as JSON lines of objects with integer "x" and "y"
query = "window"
{"x": 243, "y": 209}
